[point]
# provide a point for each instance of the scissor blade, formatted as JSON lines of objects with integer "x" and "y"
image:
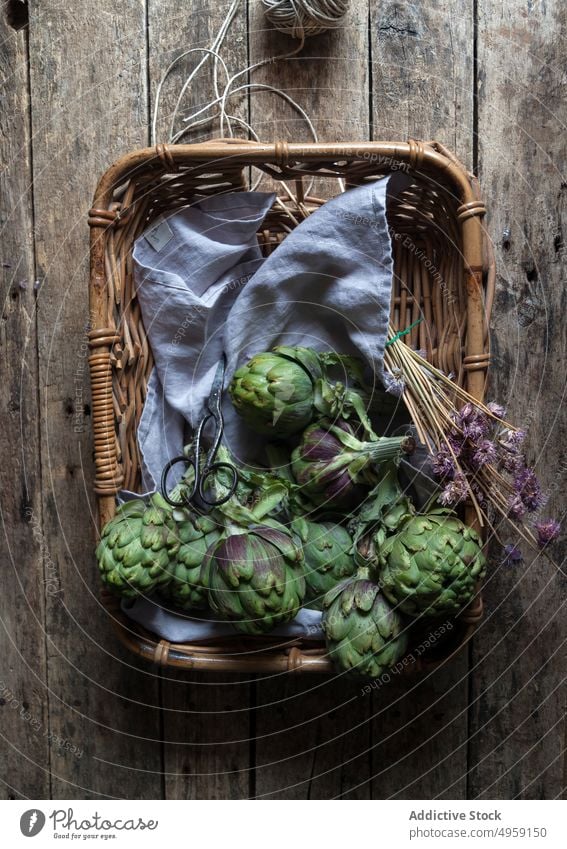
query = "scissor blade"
{"x": 216, "y": 389}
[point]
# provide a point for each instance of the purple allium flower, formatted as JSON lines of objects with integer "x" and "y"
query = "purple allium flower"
{"x": 513, "y": 439}
{"x": 496, "y": 409}
{"x": 547, "y": 531}
{"x": 443, "y": 464}
{"x": 456, "y": 491}
{"x": 516, "y": 507}
{"x": 477, "y": 428}
{"x": 456, "y": 441}
{"x": 465, "y": 414}
{"x": 512, "y": 553}
{"x": 527, "y": 486}
{"x": 485, "y": 453}
{"x": 512, "y": 463}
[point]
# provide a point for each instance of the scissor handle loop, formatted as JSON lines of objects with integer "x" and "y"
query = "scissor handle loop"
{"x": 212, "y": 469}
{"x": 185, "y": 500}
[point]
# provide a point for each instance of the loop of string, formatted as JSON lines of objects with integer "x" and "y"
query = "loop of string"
{"x": 302, "y": 18}
{"x": 298, "y": 18}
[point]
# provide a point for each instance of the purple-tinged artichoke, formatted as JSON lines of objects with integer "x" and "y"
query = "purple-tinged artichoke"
{"x": 255, "y": 577}
{"x": 333, "y": 467}
{"x": 328, "y": 554}
{"x": 365, "y": 636}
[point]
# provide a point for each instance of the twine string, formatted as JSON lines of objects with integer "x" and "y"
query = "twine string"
{"x": 297, "y": 18}
{"x": 302, "y": 18}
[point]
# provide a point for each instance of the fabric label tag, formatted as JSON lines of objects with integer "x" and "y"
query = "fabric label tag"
{"x": 159, "y": 235}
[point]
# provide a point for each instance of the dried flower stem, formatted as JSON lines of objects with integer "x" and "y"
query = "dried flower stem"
{"x": 430, "y": 398}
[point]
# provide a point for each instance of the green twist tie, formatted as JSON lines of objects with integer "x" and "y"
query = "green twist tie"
{"x": 401, "y": 333}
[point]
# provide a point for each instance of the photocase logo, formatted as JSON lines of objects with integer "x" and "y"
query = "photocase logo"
{"x": 31, "y": 822}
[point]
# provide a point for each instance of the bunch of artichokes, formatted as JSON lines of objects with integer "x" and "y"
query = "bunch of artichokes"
{"x": 327, "y": 525}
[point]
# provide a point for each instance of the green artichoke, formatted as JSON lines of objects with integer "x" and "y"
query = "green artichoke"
{"x": 327, "y": 550}
{"x": 137, "y": 546}
{"x": 332, "y": 466}
{"x": 365, "y": 636}
{"x": 195, "y": 535}
{"x": 431, "y": 566}
{"x": 255, "y": 577}
{"x": 282, "y": 391}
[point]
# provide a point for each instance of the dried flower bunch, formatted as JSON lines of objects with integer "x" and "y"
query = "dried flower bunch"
{"x": 477, "y": 455}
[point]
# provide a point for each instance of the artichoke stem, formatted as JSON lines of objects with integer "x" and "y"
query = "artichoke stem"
{"x": 387, "y": 448}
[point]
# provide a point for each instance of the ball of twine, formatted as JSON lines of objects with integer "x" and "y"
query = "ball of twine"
{"x": 302, "y": 18}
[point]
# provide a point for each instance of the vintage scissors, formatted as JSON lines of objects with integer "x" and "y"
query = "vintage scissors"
{"x": 199, "y": 494}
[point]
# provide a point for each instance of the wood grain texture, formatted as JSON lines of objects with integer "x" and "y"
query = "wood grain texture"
{"x": 206, "y": 722}
{"x": 175, "y": 28}
{"x": 207, "y": 736}
{"x": 88, "y": 106}
{"x": 518, "y": 690}
{"x": 328, "y": 79}
{"x": 422, "y": 87}
{"x": 313, "y": 738}
{"x": 24, "y": 697}
{"x": 422, "y": 72}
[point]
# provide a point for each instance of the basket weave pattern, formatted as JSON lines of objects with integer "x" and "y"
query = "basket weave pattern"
{"x": 443, "y": 273}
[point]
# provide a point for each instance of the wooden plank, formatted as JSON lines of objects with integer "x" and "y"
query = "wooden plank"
{"x": 207, "y": 735}
{"x": 518, "y": 695}
{"x": 23, "y": 683}
{"x": 422, "y": 87}
{"x": 206, "y": 722}
{"x": 328, "y": 79}
{"x": 89, "y": 105}
{"x": 312, "y": 733}
{"x": 313, "y": 738}
{"x": 173, "y": 30}
{"x": 422, "y": 72}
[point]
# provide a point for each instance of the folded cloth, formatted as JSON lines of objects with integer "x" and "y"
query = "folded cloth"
{"x": 188, "y": 269}
{"x": 204, "y": 289}
{"x": 182, "y": 628}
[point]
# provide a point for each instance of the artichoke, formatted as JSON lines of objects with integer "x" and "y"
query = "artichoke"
{"x": 430, "y": 567}
{"x": 282, "y": 391}
{"x": 255, "y": 577}
{"x": 365, "y": 636}
{"x": 195, "y": 535}
{"x": 137, "y": 546}
{"x": 332, "y": 466}
{"x": 327, "y": 550}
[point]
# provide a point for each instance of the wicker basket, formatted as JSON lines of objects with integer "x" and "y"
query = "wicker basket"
{"x": 444, "y": 271}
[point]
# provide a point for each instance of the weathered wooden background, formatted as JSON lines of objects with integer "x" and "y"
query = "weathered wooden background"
{"x": 79, "y": 717}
